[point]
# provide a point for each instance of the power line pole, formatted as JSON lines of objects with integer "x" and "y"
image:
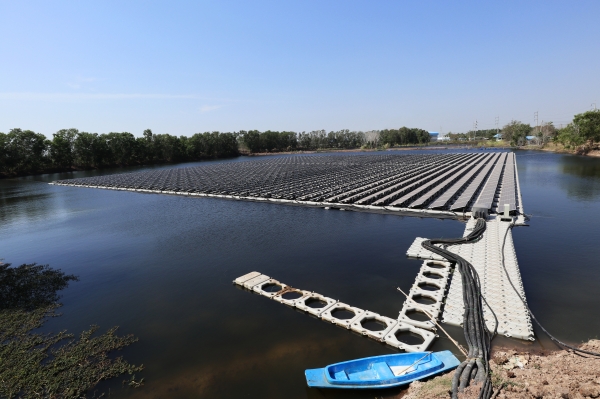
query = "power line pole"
{"x": 535, "y": 117}
{"x": 497, "y": 121}
{"x": 594, "y": 105}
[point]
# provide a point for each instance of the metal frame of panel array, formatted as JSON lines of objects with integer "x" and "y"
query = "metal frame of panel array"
{"x": 449, "y": 185}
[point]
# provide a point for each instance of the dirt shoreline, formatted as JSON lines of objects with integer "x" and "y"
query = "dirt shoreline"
{"x": 527, "y": 375}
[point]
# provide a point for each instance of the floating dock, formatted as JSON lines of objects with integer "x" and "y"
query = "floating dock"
{"x": 486, "y": 257}
{"x": 438, "y": 185}
{"x": 369, "y": 324}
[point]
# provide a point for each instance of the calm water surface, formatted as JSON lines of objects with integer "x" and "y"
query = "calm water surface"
{"x": 161, "y": 268}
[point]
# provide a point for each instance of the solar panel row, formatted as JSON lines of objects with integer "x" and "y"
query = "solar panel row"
{"x": 406, "y": 199}
{"x": 383, "y": 197}
{"x": 410, "y": 171}
{"x": 390, "y": 196}
{"x": 407, "y": 172}
{"x": 451, "y": 194}
{"x": 467, "y": 195}
{"x": 432, "y": 181}
{"x": 488, "y": 194}
{"x": 508, "y": 189}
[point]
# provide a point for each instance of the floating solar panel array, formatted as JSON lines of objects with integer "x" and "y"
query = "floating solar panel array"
{"x": 433, "y": 183}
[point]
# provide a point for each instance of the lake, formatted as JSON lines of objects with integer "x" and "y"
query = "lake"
{"x": 161, "y": 267}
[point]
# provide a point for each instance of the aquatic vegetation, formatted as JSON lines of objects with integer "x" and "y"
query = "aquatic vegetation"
{"x": 50, "y": 365}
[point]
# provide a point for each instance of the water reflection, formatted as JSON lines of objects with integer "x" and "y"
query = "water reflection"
{"x": 29, "y": 198}
{"x": 22, "y": 201}
{"x": 582, "y": 166}
{"x": 582, "y": 180}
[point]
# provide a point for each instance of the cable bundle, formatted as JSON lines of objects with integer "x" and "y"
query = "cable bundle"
{"x": 476, "y": 366}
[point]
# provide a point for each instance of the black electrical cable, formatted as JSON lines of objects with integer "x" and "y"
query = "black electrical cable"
{"x": 478, "y": 337}
{"x": 559, "y": 342}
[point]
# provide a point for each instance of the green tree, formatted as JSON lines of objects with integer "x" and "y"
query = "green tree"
{"x": 569, "y": 136}
{"x": 304, "y": 141}
{"x": 90, "y": 150}
{"x": 121, "y": 147}
{"x": 167, "y": 148}
{"x": 252, "y": 140}
{"x": 228, "y": 145}
{"x": 588, "y": 125}
{"x": 546, "y": 132}
{"x": 25, "y": 151}
{"x": 269, "y": 141}
{"x": 62, "y": 147}
{"x": 515, "y": 132}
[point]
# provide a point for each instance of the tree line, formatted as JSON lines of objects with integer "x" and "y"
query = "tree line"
{"x": 404, "y": 136}
{"x": 272, "y": 141}
{"x": 26, "y": 152}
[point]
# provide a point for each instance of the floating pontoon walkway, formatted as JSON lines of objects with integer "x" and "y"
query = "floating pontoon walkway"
{"x": 338, "y": 313}
{"x": 441, "y": 185}
{"x": 486, "y": 257}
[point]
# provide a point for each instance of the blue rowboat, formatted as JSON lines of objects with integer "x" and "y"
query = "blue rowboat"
{"x": 382, "y": 371}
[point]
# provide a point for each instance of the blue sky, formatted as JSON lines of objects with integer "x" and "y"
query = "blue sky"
{"x": 185, "y": 67}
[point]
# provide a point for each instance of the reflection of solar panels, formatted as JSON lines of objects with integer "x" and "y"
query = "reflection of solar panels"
{"x": 424, "y": 183}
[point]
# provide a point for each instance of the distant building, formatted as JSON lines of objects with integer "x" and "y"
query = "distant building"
{"x": 532, "y": 139}
{"x": 498, "y": 136}
{"x": 444, "y": 138}
{"x": 433, "y": 136}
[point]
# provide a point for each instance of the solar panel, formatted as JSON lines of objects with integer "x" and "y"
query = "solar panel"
{"x": 357, "y": 193}
{"x": 420, "y": 195}
{"x": 508, "y": 188}
{"x": 395, "y": 192}
{"x": 467, "y": 195}
{"x": 451, "y": 192}
{"x": 388, "y": 190}
{"x": 487, "y": 195}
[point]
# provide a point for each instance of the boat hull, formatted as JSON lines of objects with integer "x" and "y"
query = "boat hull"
{"x": 369, "y": 373}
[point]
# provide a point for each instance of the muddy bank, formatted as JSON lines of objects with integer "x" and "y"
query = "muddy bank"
{"x": 588, "y": 149}
{"x": 526, "y": 375}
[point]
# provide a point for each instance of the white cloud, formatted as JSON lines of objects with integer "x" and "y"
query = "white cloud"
{"x": 208, "y": 108}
